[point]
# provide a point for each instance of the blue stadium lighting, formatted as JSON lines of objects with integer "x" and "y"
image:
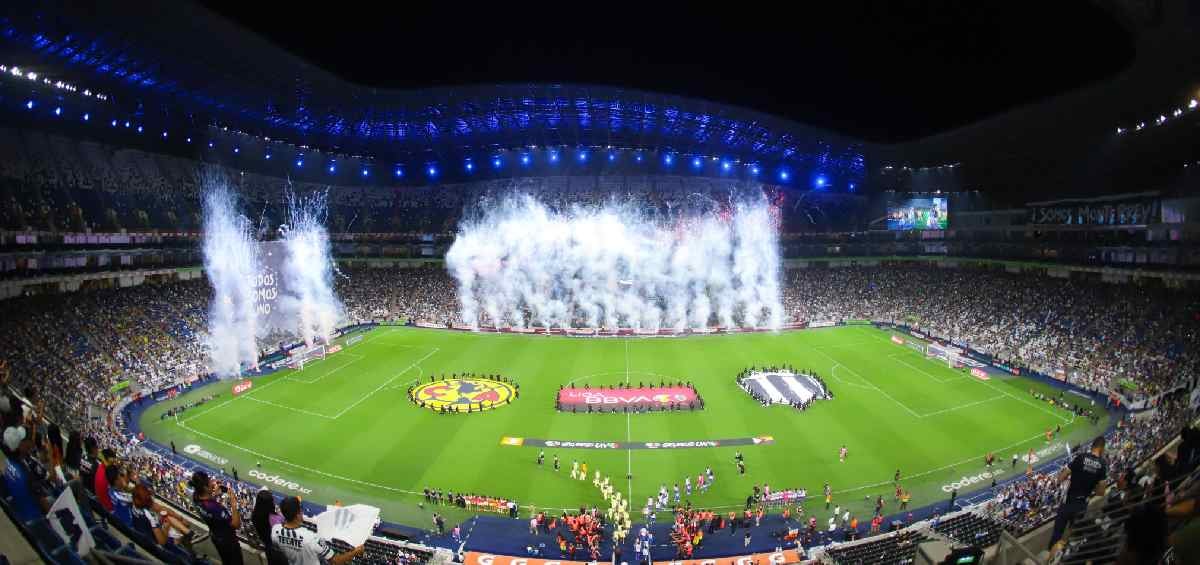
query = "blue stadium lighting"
{"x": 612, "y": 157}
{"x": 58, "y": 111}
{"x": 524, "y": 159}
{"x": 638, "y": 158}
{"x": 667, "y": 160}
{"x": 365, "y": 172}
{"x": 189, "y": 140}
{"x": 431, "y": 171}
{"x": 126, "y": 125}
{"x": 87, "y": 117}
{"x": 113, "y": 124}
{"x": 210, "y": 145}
{"x": 553, "y": 156}
{"x": 783, "y": 175}
{"x": 496, "y": 162}
{"x": 582, "y": 156}
{"x": 398, "y": 172}
{"x": 851, "y": 187}
{"x": 754, "y": 170}
{"x": 299, "y": 162}
{"x": 29, "y": 104}
{"x": 140, "y": 129}
{"x": 470, "y": 166}
{"x": 237, "y": 149}
{"x": 725, "y": 166}
{"x": 267, "y": 156}
{"x": 696, "y": 162}
{"x": 332, "y": 168}
{"x": 820, "y": 182}
{"x": 164, "y": 135}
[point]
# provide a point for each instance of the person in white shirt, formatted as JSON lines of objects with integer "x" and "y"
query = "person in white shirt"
{"x": 302, "y": 546}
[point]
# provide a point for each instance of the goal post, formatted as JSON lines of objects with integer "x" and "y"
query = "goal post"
{"x": 304, "y": 356}
{"x": 951, "y": 355}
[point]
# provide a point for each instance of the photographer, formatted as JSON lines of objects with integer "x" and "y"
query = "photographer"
{"x": 219, "y": 510}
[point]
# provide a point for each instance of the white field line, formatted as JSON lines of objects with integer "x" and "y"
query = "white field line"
{"x": 414, "y": 365}
{"x": 286, "y": 407}
{"x": 961, "y": 406}
{"x": 897, "y": 358}
{"x": 318, "y": 379}
{"x": 871, "y": 385}
{"x": 293, "y": 465}
{"x": 1018, "y": 399}
{"x": 942, "y": 468}
{"x": 414, "y": 493}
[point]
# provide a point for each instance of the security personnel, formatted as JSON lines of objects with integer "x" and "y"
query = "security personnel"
{"x": 1087, "y": 473}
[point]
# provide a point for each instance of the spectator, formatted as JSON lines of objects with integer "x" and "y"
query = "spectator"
{"x": 21, "y": 476}
{"x": 222, "y": 518}
{"x": 302, "y": 546}
{"x": 264, "y": 518}
{"x": 120, "y": 494}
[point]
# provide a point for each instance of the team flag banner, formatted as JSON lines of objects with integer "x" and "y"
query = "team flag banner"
{"x": 564, "y": 444}
{"x": 608, "y": 398}
{"x": 67, "y": 522}
{"x": 352, "y": 524}
{"x": 773, "y": 558}
{"x": 242, "y": 386}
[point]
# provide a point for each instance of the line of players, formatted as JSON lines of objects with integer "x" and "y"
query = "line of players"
{"x": 618, "y": 515}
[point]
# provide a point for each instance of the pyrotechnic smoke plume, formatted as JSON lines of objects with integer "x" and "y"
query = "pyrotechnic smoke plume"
{"x": 521, "y": 264}
{"x": 231, "y": 263}
{"x": 308, "y": 299}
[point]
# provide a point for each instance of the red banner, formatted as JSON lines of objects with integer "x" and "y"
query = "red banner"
{"x": 773, "y": 558}
{"x": 242, "y": 387}
{"x": 979, "y": 374}
{"x": 615, "y": 397}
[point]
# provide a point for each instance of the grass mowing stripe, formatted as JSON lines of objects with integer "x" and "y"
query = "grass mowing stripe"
{"x": 383, "y": 448}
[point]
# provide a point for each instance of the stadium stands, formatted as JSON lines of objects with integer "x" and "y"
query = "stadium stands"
{"x": 896, "y": 548}
{"x": 970, "y": 529}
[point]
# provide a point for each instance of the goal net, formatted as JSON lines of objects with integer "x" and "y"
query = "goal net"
{"x": 302, "y": 357}
{"x": 951, "y": 355}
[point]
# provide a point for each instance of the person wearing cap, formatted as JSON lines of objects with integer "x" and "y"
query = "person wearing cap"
{"x": 28, "y": 491}
{"x": 302, "y": 546}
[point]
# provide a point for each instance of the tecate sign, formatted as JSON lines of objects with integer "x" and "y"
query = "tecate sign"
{"x": 278, "y": 481}
{"x": 197, "y": 451}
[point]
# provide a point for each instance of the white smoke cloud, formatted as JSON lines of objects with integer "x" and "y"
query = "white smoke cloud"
{"x": 521, "y": 264}
{"x": 307, "y": 301}
{"x": 231, "y": 263}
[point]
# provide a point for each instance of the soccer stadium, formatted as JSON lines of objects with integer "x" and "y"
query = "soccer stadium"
{"x": 874, "y": 283}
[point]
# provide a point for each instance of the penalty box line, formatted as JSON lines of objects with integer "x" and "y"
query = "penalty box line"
{"x": 318, "y": 379}
{"x": 1003, "y": 392}
{"x": 413, "y": 365}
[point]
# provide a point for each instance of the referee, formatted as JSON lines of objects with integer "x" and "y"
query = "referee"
{"x": 1087, "y": 472}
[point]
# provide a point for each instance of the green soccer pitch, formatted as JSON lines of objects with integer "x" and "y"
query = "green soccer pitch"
{"x": 344, "y": 429}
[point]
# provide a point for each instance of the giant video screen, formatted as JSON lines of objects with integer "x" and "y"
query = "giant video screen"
{"x": 918, "y": 214}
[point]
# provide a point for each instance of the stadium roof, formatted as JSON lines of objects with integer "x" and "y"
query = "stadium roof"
{"x": 813, "y": 93}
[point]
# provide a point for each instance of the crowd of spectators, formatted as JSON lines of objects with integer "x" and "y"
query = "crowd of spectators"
{"x": 1025, "y": 504}
{"x": 67, "y": 352}
{"x": 1094, "y": 334}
